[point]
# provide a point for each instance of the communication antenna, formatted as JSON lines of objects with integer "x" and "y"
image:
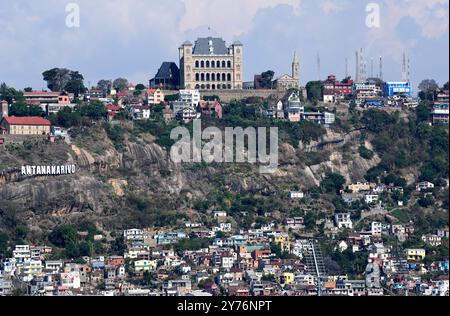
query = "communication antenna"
{"x": 346, "y": 67}
{"x": 408, "y": 71}
{"x": 381, "y": 67}
{"x": 371, "y": 67}
{"x": 318, "y": 67}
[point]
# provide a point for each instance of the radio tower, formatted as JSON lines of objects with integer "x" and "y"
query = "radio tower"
{"x": 318, "y": 67}
{"x": 381, "y": 68}
{"x": 357, "y": 67}
{"x": 362, "y": 67}
{"x": 371, "y": 67}
{"x": 346, "y": 67}
{"x": 408, "y": 70}
{"x": 404, "y": 71}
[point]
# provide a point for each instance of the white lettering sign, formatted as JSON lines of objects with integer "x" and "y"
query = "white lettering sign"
{"x": 48, "y": 170}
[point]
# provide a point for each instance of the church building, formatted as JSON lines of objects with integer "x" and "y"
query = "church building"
{"x": 286, "y": 81}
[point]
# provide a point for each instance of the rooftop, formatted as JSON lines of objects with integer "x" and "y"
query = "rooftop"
{"x": 31, "y": 120}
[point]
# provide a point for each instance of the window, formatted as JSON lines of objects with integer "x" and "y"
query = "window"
{"x": 203, "y": 87}
{"x": 218, "y": 77}
{"x": 218, "y": 64}
{"x": 213, "y": 64}
{"x": 197, "y": 77}
{"x": 197, "y": 64}
{"x": 208, "y": 77}
{"x": 213, "y": 77}
{"x": 208, "y": 86}
{"x": 203, "y": 64}
{"x": 229, "y": 64}
{"x": 229, "y": 77}
{"x": 213, "y": 87}
{"x": 207, "y": 64}
{"x": 224, "y": 65}
{"x": 224, "y": 77}
{"x": 203, "y": 77}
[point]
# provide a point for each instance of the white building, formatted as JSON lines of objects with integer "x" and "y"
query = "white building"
{"x": 133, "y": 235}
{"x": 371, "y": 198}
{"x": 297, "y": 195}
{"x": 376, "y": 229}
{"x": 343, "y": 220}
{"x": 422, "y": 186}
{"x": 190, "y": 97}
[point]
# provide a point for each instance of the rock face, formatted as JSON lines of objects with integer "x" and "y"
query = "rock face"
{"x": 106, "y": 177}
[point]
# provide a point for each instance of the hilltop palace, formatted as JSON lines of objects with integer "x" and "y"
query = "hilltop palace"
{"x": 210, "y": 65}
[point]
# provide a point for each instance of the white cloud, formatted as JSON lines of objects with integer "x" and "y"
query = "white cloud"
{"x": 330, "y": 6}
{"x": 229, "y": 18}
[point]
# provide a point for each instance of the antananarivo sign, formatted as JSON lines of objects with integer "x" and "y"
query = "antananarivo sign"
{"x": 48, "y": 170}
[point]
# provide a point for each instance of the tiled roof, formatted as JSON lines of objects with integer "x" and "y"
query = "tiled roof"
{"x": 31, "y": 120}
{"x": 41, "y": 93}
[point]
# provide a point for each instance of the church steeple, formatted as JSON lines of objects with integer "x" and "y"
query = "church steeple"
{"x": 295, "y": 67}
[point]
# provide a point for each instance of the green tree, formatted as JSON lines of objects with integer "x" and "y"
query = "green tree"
{"x": 333, "y": 183}
{"x": 314, "y": 91}
{"x": 120, "y": 84}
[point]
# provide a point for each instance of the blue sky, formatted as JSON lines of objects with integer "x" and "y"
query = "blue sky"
{"x": 130, "y": 38}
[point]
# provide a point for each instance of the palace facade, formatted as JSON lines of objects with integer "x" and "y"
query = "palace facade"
{"x": 211, "y": 65}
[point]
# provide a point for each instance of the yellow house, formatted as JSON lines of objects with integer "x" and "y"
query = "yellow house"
{"x": 415, "y": 254}
{"x": 283, "y": 242}
{"x": 145, "y": 265}
{"x": 287, "y": 278}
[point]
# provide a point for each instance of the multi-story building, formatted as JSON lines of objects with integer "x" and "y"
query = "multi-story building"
{"x": 392, "y": 89}
{"x": 415, "y": 254}
{"x": 294, "y": 108}
{"x": 440, "y": 113}
{"x": 334, "y": 89}
{"x": 343, "y": 220}
{"x": 190, "y": 97}
{"x": 154, "y": 96}
{"x": 32, "y": 125}
{"x": 365, "y": 91}
{"x": 211, "y": 65}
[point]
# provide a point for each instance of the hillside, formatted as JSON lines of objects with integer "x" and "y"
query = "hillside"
{"x": 125, "y": 178}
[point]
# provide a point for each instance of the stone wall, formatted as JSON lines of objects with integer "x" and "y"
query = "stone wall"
{"x": 231, "y": 95}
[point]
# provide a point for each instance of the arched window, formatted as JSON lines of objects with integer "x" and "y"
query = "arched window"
{"x": 224, "y": 65}
{"x": 208, "y": 77}
{"x": 203, "y": 77}
{"x": 213, "y": 87}
{"x": 218, "y": 64}
{"x": 203, "y": 64}
{"x": 213, "y": 77}
{"x": 203, "y": 87}
{"x": 197, "y": 64}
{"x": 229, "y": 86}
{"x": 229, "y": 64}
{"x": 213, "y": 64}
{"x": 224, "y": 86}
{"x": 224, "y": 77}
{"x": 197, "y": 86}
{"x": 208, "y": 87}
{"x": 229, "y": 77}
{"x": 207, "y": 64}
{"x": 218, "y": 77}
{"x": 197, "y": 77}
